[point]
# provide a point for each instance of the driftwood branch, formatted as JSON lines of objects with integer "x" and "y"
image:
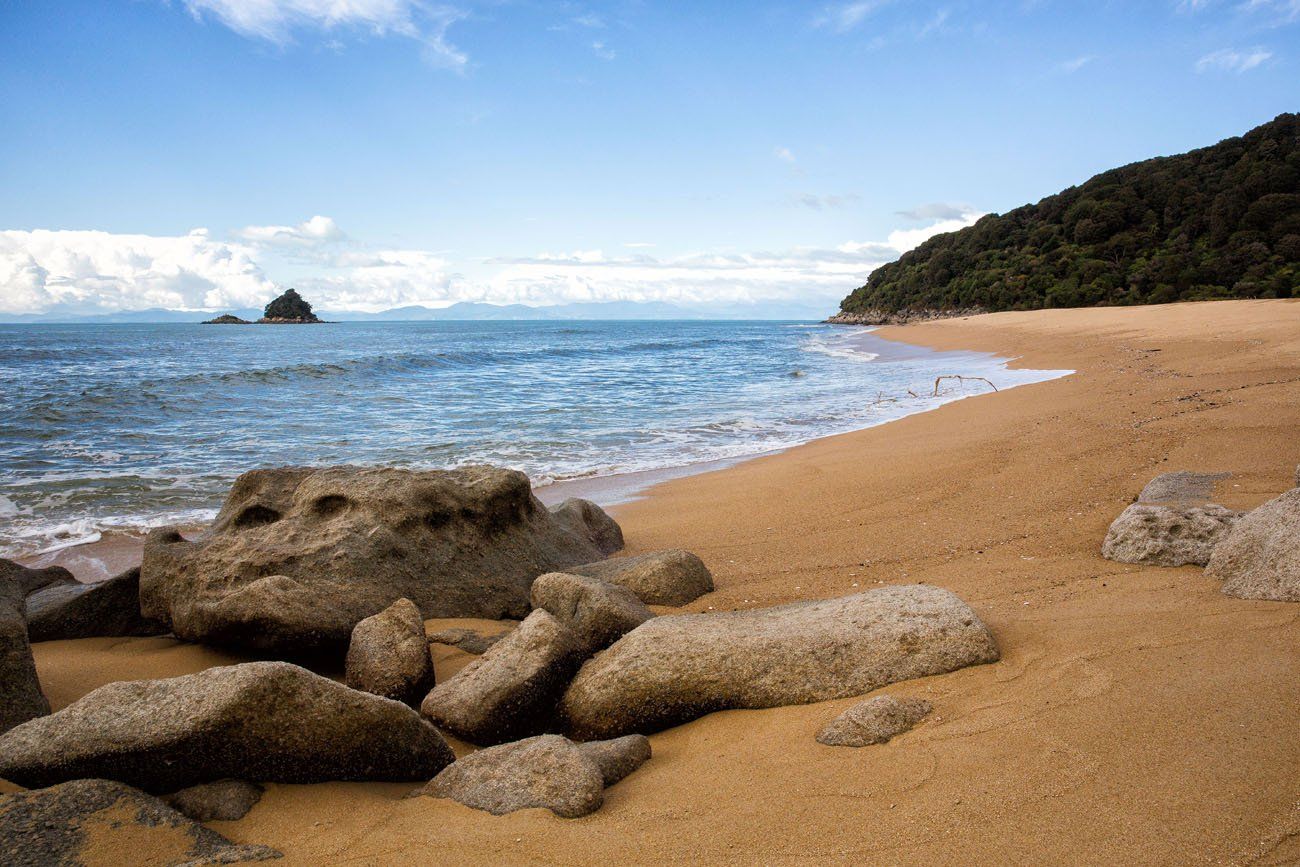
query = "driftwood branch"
{"x": 958, "y": 376}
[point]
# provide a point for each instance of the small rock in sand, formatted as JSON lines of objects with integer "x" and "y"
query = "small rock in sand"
{"x": 873, "y": 721}
{"x": 672, "y": 577}
{"x": 598, "y": 613}
{"x": 585, "y": 517}
{"x": 466, "y": 639}
{"x": 31, "y": 580}
{"x": 75, "y": 610}
{"x": 222, "y": 801}
{"x": 618, "y": 757}
{"x": 1183, "y": 486}
{"x": 389, "y": 655}
{"x": 1260, "y": 557}
{"x": 1167, "y": 535}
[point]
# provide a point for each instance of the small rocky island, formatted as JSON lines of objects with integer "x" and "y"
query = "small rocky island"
{"x": 289, "y": 309}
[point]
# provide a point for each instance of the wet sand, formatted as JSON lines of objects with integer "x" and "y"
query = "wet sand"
{"x": 1137, "y": 716}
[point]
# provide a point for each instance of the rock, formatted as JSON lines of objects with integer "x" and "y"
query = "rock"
{"x": 583, "y": 517}
{"x": 1297, "y": 475}
{"x": 21, "y": 698}
{"x": 1181, "y": 487}
{"x": 226, "y": 319}
{"x": 598, "y": 613}
{"x": 671, "y": 577}
{"x": 101, "y": 822}
{"x": 298, "y": 556}
{"x": 510, "y": 691}
{"x": 466, "y": 639}
{"x": 618, "y": 757}
{"x": 289, "y": 308}
{"x": 222, "y": 801}
{"x": 1167, "y": 535}
{"x": 675, "y": 668}
{"x": 874, "y": 721}
{"x": 545, "y": 771}
{"x": 267, "y": 721}
{"x": 1259, "y": 558}
{"x": 29, "y": 581}
{"x": 389, "y": 655}
{"x": 79, "y": 610}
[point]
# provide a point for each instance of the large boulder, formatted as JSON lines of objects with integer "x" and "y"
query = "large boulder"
{"x": 21, "y": 698}
{"x": 298, "y": 556}
{"x": 1183, "y": 486}
{"x": 511, "y": 690}
{"x": 1260, "y": 557}
{"x": 598, "y": 613}
{"x": 389, "y": 654}
{"x": 671, "y": 577}
{"x": 30, "y": 580}
{"x": 104, "y": 822}
{"x": 265, "y": 721}
{"x": 546, "y": 771}
{"x": 873, "y": 721}
{"x": 583, "y": 517}
{"x": 675, "y": 668}
{"x": 1174, "y": 534}
{"x": 222, "y": 801}
{"x": 76, "y": 610}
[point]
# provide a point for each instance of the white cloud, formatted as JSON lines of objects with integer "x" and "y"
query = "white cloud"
{"x": 814, "y": 202}
{"x": 785, "y": 154}
{"x": 603, "y": 51}
{"x": 277, "y": 20}
{"x": 843, "y": 17}
{"x": 939, "y": 211}
{"x": 1231, "y": 60}
{"x": 1074, "y": 65}
{"x": 317, "y": 230}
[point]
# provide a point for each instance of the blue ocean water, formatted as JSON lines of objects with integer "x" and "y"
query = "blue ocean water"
{"x": 122, "y": 427}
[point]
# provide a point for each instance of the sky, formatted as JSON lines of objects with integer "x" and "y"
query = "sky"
{"x": 206, "y": 154}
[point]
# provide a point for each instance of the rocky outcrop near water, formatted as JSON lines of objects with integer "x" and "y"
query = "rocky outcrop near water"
{"x": 511, "y": 690}
{"x": 289, "y": 308}
{"x": 68, "y": 824}
{"x": 1177, "y": 534}
{"x": 878, "y": 316}
{"x": 546, "y": 771}
{"x": 598, "y": 613}
{"x": 874, "y": 721}
{"x": 1260, "y": 557}
{"x": 226, "y": 319}
{"x": 389, "y": 655}
{"x": 298, "y": 556}
{"x": 21, "y": 698}
{"x": 265, "y": 721}
{"x": 673, "y": 577}
{"x": 675, "y": 668}
{"x": 75, "y": 610}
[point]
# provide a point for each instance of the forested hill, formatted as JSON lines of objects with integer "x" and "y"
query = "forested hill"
{"x": 1219, "y": 222}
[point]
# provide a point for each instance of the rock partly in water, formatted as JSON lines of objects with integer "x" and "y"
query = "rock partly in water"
{"x": 76, "y": 610}
{"x": 671, "y": 577}
{"x": 586, "y": 518}
{"x": 618, "y": 757}
{"x": 511, "y": 691}
{"x": 1167, "y": 534}
{"x": 298, "y": 556}
{"x": 21, "y": 698}
{"x": 1259, "y": 558}
{"x": 547, "y": 771}
{"x": 675, "y": 668}
{"x": 1183, "y": 486}
{"x": 598, "y": 613}
{"x": 226, "y": 319}
{"x": 389, "y": 655}
{"x": 101, "y": 821}
{"x": 874, "y": 721}
{"x": 222, "y": 801}
{"x": 290, "y": 309}
{"x": 28, "y": 581}
{"x": 466, "y": 639}
{"x": 266, "y": 721}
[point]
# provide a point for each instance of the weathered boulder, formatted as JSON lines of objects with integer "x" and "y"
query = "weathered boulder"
{"x": 598, "y": 613}
{"x": 101, "y": 822}
{"x": 1183, "y": 486}
{"x": 583, "y": 517}
{"x": 874, "y": 721}
{"x": 1259, "y": 558}
{"x": 298, "y": 556}
{"x": 21, "y": 698}
{"x": 389, "y": 654}
{"x": 545, "y": 771}
{"x": 1167, "y": 534}
{"x": 465, "y": 639}
{"x": 671, "y": 577}
{"x": 29, "y": 580}
{"x": 77, "y": 610}
{"x": 511, "y": 690}
{"x": 267, "y": 721}
{"x": 675, "y": 668}
{"x": 222, "y": 801}
{"x": 618, "y": 757}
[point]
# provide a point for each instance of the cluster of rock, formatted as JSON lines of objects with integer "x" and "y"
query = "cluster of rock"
{"x": 1256, "y": 554}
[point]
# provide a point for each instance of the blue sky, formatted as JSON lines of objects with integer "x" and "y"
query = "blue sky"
{"x": 175, "y": 153}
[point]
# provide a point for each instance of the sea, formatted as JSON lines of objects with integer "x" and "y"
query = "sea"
{"x": 118, "y": 428}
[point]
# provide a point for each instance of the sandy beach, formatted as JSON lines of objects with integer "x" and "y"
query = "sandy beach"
{"x": 1137, "y": 715}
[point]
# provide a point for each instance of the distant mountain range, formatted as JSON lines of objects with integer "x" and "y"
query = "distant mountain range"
{"x": 464, "y": 310}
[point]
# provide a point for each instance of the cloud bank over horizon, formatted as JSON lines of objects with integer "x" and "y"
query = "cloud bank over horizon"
{"x": 88, "y": 272}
